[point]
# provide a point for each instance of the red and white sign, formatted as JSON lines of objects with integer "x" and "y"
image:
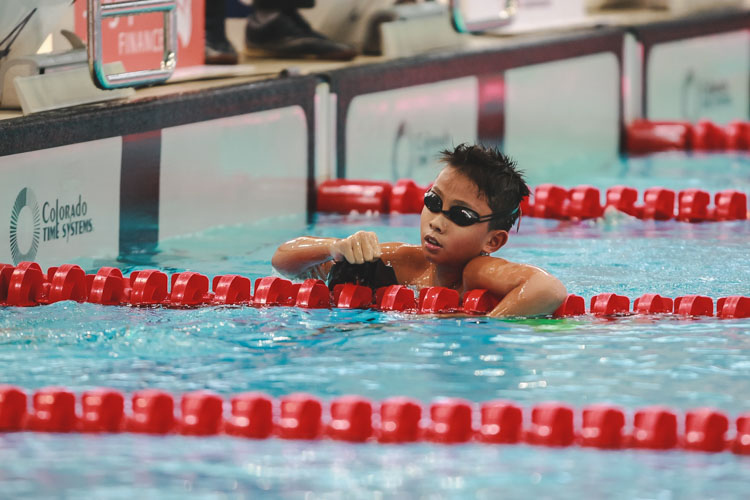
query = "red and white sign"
{"x": 138, "y": 41}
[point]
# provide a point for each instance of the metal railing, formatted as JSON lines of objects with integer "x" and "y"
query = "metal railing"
{"x": 97, "y": 12}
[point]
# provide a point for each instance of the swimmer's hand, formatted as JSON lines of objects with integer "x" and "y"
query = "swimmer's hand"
{"x": 358, "y": 248}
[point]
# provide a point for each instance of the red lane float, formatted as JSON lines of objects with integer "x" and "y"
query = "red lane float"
{"x": 738, "y": 136}
{"x": 6, "y": 271}
{"x": 693, "y": 206}
{"x": 603, "y": 427}
{"x": 694, "y": 305}
{"x": 551, "y": 425}
{"x": 345, "y": 196}
{"x": 399, "y": 420}
{"x": 450, "y": 422}
{"x": 437, "y": 299}
{"x": 730, "y": 205}
{"x": 551, "y": 201}
{"x": 573, "y": 305}
{"x": 313, "y": 294}
{"x": 741, "y": 443}
{"x": 108, "y": 287}
{"x": 350, "y": 296}
{"x": 608, "y": 304}
{"x": 705, "y": 430}
{"x": 395, "y": 298}
{"x": 68, "y": 282}
{"x": 190, "y": 289}
{"x": 350, "y": 419}
{"x": 583, "y": 202}
{"x": 252, "y": 416}
{"x": 623, "y": 198}
{"x": 148, "y": 287}
{"x": 658, "y": 204}
{"x": 646, "y": 137}
{"x": 407, "y": 197}
{"x": 502, "y": 422}
{"x": 733, "y": 307}
{"x": 13, "y": 413}
{"x": 653, "y": 303}
{"x": 53, "y": 411}
{"x": 707, "y": 136}
{"x": 26, "y": 285}
{"x": 153, "y": 412}
{"x": 301, "y": 417}
{"x": 479, "y": 302}
{"x": 103, "y": 410}
{"x": 202, "y": 414}
{"x": 655, "y": 428}
{"x": 273, "y": 291}
{"x": 231, "y": 289}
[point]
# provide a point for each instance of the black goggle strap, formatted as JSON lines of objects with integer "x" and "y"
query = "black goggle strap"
{"x": 520, "y": 214}
{"x": 485, "y": 218}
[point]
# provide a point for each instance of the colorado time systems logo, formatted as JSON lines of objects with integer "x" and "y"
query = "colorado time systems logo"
{"x": 26, "y": 217}
{"x": 30, "y": 226}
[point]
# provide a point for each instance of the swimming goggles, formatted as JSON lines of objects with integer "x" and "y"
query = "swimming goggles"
{"x": 461, "y": 216}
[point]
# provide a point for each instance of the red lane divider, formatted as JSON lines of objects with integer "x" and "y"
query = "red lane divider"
{"x": 550, "y": 201}
{"x": 583, "y": 202}
{"x": 356, "y": 419}
{"x": 347, "y": 195}
{"x": 26, "y": 285}
{"x": 644, "y": 137}
{"x": 608, "y": 304}
{"x": 344, "y": 196}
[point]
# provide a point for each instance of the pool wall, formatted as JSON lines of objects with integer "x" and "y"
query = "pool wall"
{"x": 108, "y": 180}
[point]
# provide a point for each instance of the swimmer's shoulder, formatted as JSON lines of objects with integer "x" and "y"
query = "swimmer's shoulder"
{"x": 489, "y": 272}
{"x": 497, "y": 274}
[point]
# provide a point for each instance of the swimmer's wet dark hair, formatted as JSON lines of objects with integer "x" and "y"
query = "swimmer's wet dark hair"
{"x": 496, "y": 176}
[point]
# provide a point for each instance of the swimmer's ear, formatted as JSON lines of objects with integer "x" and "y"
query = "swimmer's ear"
{"x": 496, "y": 239}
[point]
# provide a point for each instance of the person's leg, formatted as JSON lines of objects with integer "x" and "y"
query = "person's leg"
{"x": 218, "y": 49}
{"x": 276, "y": 29}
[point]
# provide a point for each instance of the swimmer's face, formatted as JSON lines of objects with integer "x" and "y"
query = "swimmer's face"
{"x": 444, "y": 241}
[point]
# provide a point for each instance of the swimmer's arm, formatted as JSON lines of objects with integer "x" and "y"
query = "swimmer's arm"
{"x": 525, "y": 290}
{"x": 302, "y": 255}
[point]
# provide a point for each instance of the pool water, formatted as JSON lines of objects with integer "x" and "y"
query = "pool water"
{"x": 631, "y": 361}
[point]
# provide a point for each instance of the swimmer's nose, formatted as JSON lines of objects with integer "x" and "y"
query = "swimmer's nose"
{"x": 437, "y": 223}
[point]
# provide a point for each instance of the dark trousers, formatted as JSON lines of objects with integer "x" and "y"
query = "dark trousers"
{"x": 283, "y": 4}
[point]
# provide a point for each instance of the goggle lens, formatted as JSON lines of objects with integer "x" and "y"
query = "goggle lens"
{"x": 461, "y": 216}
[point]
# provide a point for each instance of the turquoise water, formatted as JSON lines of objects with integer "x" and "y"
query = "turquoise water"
{"x": 632, "y": 362}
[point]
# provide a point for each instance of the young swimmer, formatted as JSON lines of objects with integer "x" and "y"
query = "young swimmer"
{"x": 473, "y": 203}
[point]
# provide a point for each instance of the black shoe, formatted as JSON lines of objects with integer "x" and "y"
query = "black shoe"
{"x": 286, "y": 34}
{"x": 220, "y": 51}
